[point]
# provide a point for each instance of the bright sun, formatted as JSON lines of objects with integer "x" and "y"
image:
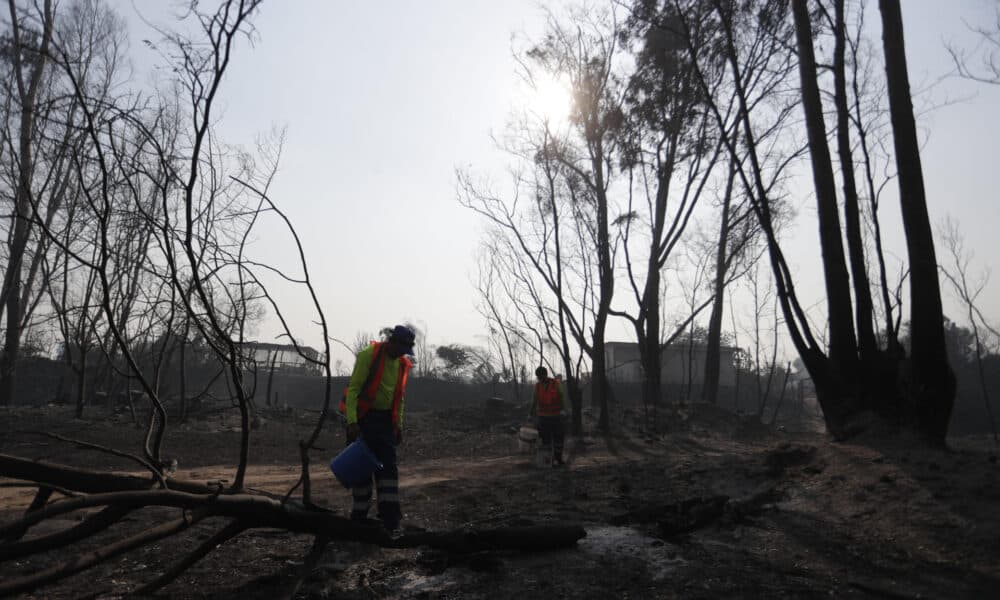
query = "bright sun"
{"x": 550, "y": 100}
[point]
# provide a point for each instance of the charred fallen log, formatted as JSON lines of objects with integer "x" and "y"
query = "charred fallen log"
{"x": 119, "y": 495}
{"x": 88, "y": 481}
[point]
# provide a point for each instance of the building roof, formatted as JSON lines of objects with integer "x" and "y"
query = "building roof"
{"x": 676, "y": 344}
{"x": 280, "y": 347}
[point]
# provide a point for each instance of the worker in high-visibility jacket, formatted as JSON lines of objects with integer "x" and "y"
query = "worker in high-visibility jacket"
{"x": 373, "y": 406}
{"x": 548, "y": 405}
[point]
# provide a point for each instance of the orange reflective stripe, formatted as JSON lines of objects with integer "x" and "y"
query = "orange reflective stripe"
{"x": 378, "y": 362}
{"x": 367, "y": 396}
{"x": 397, "y": 394}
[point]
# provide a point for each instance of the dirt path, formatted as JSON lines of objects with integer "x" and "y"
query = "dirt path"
{"x": 847, "y": 521}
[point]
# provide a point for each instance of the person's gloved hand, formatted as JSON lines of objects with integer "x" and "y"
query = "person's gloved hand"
{"x": 399, "y": 436}
{"x": 353, "y": 431}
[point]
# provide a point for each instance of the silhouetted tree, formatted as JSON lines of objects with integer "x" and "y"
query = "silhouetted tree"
{"x": 584, "y": 50}
{"x": 852, "y": 375}
{"x": 28, "y": 56}
{"x": 563, "y": 233}
{"x": 931, "y": 389}
{"x": 669, "y": 151}
{"x": 840, "y": 366}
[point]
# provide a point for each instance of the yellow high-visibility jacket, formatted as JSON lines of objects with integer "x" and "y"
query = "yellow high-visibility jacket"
{"x": 386, "y": 391}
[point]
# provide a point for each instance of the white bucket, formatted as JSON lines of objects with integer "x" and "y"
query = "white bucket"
{"x": 527, "y": 439}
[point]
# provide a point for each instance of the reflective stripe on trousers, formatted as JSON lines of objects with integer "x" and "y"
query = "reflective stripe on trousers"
{"x": 378, "y": 432}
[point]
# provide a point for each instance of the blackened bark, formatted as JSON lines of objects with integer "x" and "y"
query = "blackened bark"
{"x": 932, "y": 383}
{"x": 11, "y": 291}
{"x": 867, "y": 346}
{"x": 606, "y": 281}
{"x": 183, "y": 374}
{"x": 87, "y": 481}
{"x": 599, "y": 377}
{"x": 576, "y": 402}
{"x": 650, "y": 356}
{"x": 81, "y": 384}
{"x": 713, "y": 349}
{"x": 843, "y": 344}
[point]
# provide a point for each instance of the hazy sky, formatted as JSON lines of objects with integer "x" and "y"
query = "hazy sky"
{"x": 383, "y": 100}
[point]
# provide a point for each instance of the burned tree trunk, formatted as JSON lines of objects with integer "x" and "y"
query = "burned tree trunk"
{"x": 843, "y": 344}
{"x": 713, "y": 348}
{"x": 867, "y": 346}
{"x": 606, "y": 281}
{"x": 650, "y": 354}
{"x": 81, "y": 384}
{"x": 878, "y": 367}
{"x": 931, "y": 389}
{"x": 183, "y": 377}
{"x": 27, "y": 96}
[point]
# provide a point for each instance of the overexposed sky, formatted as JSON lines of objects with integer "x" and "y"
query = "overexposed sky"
{"x": 383, "y": 100}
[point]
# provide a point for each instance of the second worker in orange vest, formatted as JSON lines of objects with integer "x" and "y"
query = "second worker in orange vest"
{"x": 548, "y": 405}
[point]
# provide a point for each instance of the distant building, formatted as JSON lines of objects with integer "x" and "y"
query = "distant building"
{"x": 284, "y": 357}
{"x": 678, "y": 364}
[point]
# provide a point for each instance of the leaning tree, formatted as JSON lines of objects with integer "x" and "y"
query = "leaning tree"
{"x": 855, "y": 375}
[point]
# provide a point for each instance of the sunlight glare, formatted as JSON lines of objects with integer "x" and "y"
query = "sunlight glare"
{"x": 551, "y": 101}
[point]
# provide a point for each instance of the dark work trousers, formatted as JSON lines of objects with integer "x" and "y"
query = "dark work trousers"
{"x": 379, "y": 434}
{"x": 550, "y": 429}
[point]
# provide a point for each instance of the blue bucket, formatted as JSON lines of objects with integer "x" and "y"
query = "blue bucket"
{"x": 355, "y": 464}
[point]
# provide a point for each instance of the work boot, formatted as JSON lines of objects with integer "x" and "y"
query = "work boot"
{"x": 558, "y": 462}
{"x": 393, "y": 529}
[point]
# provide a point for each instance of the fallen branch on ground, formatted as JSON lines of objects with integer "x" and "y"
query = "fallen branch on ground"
{"x": 119, "y": 495}
{"x": 87, "y": 481}
{"x": 233, "y": 529}
{"x": 90, "y": 559}
{"x": 155, "y": 472}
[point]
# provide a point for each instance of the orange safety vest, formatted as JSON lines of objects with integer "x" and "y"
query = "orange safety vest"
{"x": 547, "y": 396}
{"x": 367, "y": 395}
